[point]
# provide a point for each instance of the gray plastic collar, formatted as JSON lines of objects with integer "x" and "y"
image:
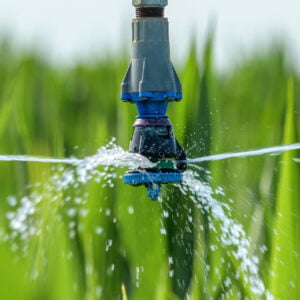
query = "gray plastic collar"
{"x": 150, "y": 3}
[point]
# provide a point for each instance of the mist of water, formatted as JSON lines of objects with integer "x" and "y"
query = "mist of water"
{"x": 24, "y": 209}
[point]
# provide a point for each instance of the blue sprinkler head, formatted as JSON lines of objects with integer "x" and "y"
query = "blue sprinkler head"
{"x": 152, "y": 83}
{"x": 153, "y": 179}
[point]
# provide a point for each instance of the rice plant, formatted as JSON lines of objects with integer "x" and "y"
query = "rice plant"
{"x": 93, "y": 241}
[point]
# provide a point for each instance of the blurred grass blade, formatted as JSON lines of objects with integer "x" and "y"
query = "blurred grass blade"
{"x": 13, "y": 284}
{"x": 157, "y": 252}
{"x": 285, "y": 280}
{"x": 124, "y": 295}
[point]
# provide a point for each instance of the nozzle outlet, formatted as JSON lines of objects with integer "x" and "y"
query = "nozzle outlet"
{"x": 153, "y": 191}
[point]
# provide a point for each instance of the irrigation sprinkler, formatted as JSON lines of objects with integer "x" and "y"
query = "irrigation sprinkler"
{"x": 151, "y": 83}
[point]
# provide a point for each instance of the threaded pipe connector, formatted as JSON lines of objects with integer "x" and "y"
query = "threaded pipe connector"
{"x": 149, "y": 12}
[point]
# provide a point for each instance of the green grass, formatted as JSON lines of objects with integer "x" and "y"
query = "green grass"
{"x": 48, "y": 110}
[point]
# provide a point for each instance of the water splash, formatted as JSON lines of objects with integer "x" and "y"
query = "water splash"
{"x": 275, "y": 150}
{"x": 22, "y": 216}
{"x": 232, "y": 235}
{"x": 109, "y": 155}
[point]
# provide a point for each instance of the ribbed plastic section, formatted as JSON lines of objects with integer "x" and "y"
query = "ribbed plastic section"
{"x": 149, "y": 12}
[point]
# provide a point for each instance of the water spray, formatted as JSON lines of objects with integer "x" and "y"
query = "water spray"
{"x": 151, "y": 83}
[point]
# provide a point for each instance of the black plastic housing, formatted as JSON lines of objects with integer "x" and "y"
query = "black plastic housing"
{"x": 154, "y": 138}
{"x": 154, "y": 142}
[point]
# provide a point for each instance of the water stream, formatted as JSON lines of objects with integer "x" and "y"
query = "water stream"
{"x": 21, "y": 217}
{"x": 120, "y": 158}
{"x": 38, "y": 159}
{"x": 109, "y": 155}
{"x": 274, "y": 150}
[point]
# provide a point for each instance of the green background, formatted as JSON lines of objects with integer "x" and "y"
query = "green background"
{"x": 48, "y": 110}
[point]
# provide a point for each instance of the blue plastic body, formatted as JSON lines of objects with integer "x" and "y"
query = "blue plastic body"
{"x": 150, "y": 104}
{"x": 153, "y": 191}
{"x": 152, "y": 96}
{"x": 149, "y": 178}
{"x": 152, "y": 181}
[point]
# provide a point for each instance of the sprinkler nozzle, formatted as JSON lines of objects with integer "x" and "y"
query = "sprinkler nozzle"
{"x": 151, "y": 83}
{"x": 153, "y": 191}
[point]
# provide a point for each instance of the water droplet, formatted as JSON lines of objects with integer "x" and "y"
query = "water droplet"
{"x": 78, "y": 200}
{"x": 163, "y": 231}
{"x": 72, "y": 234}
{"x": 108, "y": 245}
{"x": 165, "y": 214}
{"x": 98, "y": 230}
{"x": 99, "y": 291}
{"x": 170, "y": 260}
{"x": 83, "y": 212}
{"x": 72, "y": 224}
{"x": 130, "y": 210}
{"x": 12, "y": 201}
{"x": 71, "y": 212}
{"x": 89, "y": 269}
